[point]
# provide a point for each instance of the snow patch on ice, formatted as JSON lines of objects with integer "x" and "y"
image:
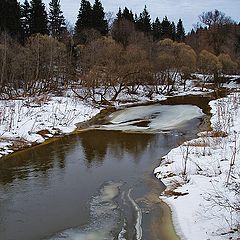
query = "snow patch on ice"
{"x": 159, "y": 117}
{"x": 138, "y": 224}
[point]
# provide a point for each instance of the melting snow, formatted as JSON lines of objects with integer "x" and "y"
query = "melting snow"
{"x": 206, "y": 212}
{"x": 159, "y": 117}
{"x": 23, "y": 119}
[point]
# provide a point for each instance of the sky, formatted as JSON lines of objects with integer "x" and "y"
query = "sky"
{"x": 187, "y": 10}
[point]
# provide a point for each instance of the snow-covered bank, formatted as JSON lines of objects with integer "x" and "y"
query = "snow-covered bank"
{"x": 23, "y": 120}
{"x": 203, "y": 177}
{"x": 28, "y": 121}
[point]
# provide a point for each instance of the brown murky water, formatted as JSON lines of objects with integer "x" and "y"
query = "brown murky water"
{"x": 81, "y": 186}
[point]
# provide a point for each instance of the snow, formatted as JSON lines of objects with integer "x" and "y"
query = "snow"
{"x": 23, "y": 119}
{"x": 199, "y": 170}
{"x": 197, "y": 214}
{"x": 145, "y": 93}
{"x": 139, "y": 216}
{"x": 158, "y": 117}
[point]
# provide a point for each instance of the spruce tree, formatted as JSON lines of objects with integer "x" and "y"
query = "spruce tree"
{"x": 38, "y": 18}
{"x": 173, "y": 30}
{"x": 56, "y": 19}
{"x": 180, "y": 35}
{"x": 119, "y": 14}
{"x": 166, "y": 28}
{"x": 84, "y": 18}
{"x": 157, "y": 29}
{"x": 128, "y": 15}
{"x": 98, "y": 21}
{"x": 25, "y": 18}
{"x": 10, "y": 15}
{"x": 143, "y": 23}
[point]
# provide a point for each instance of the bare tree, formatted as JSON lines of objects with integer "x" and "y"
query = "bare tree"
{"x": 173, "y": 60}
{"x": 186, "y": 61}
{"x": 218, "y": 28}
{"x": 108, "y": 68}
{"x": 228, "y": 65}
{"x": 122, "y": 31}
{"x": 209, "y": 65}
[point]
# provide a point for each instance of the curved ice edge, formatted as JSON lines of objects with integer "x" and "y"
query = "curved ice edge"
{"x": 123, "y": 231}
{"x": 139, "y": 217}
{"x": 175, "y": 219}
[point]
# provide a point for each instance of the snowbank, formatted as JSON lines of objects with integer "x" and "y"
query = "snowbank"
{"x": 203, "y": 177}
{"x": 30, "y": 120}
{"x": 23, "y": 120}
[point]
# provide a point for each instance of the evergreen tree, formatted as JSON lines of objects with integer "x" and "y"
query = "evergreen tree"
{"x": 10, "y": 17}
{"x": 125, "y": 14}
{"x": 84, "y": 18}
{"x": 56, "y": 19}
{"x": 25, "y": 18}
{"x": 98, "y": 21}
{"x": 166, "y": 28}
{"x": 157, "y": 29}
{"x": 128, "y": 14}
{"x": 180, "y": 35}
{"x": 38, "y": 18}
{"x": 119, "y": 14}
{"x": 173, "y": 30}
{"x": 135, "y": 18}
{"x": 143, "y": 23}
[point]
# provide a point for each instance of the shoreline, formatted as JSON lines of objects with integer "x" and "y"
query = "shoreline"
{"x": 168, "y": 173}
{"x": 19, "y": 144}
{"x": 167, "y": 216}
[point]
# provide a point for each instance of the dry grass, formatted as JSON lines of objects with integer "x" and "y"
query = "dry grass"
{"x": 217, "y": 134}
{"x": 197, "y": 144}
{"x": 174, "y": 193}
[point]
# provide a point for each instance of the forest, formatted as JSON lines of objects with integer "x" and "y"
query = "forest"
{"x": 118, "y": 74}
{"x": 103, "y": 55}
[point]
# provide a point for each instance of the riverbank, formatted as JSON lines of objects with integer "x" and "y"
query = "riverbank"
{"x": 85, "y": 125}
{"x": 51, "y": 172}
{"x": 202, "y": 177}
{"x": 30, "y": 121}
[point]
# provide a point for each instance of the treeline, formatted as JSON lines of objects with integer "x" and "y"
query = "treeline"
{"x": 127, "y": 22}
{"x": 41, "y": 53}
{"x": 23, "y": 20}
{"x": 216, "y": 33}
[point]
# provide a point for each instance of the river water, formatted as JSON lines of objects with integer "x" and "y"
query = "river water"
{"x": 98, "y": 184}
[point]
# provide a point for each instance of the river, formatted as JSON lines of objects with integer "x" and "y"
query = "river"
{"x": 97, "y": 184}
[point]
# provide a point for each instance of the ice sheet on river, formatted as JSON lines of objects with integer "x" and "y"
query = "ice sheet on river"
{"x": 103, "y": 220}
{"x": 153, "y": 118}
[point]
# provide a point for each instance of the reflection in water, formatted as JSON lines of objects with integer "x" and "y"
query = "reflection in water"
{"x": 48, "y": 189}
{"x": 52, "y": 184}
{"x": 29, "y": 163}
{"x": 97, "y": 144}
